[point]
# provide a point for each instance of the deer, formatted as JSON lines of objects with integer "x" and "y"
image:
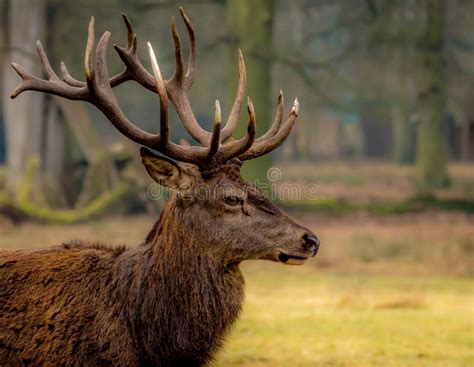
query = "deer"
{"x": 171, "y": 300}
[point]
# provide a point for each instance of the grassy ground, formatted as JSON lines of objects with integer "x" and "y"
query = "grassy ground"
{"x": 383, "y": 291}
{"x": 299, "y": 317}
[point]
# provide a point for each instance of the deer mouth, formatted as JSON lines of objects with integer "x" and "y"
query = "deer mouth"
{"x": 291, "y": 259}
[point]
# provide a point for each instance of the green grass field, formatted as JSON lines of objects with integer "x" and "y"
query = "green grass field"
{"x": 302, "y": 317}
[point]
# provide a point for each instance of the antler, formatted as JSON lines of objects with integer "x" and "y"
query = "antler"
{"x": 97, "y": 90}
{"x": 277, "y": 133}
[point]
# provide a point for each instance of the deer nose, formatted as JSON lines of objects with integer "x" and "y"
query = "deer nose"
{"x": 311, "y": 243}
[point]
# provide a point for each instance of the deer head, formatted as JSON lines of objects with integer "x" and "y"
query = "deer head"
{"x": 211, "y": 203}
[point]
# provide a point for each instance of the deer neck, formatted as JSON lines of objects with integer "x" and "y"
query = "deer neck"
{"x": 176, "y": 251}
{"x": 184, "y": 289}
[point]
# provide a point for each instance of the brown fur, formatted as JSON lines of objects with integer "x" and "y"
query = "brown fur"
{"x": 168, "y": 302}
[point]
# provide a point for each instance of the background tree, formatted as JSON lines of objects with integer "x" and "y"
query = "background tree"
{"x": 24, "y": 118}
{"x": 431, "y": 83}
{"x": 250, "y": 28}
{"x": 41, "y": 175}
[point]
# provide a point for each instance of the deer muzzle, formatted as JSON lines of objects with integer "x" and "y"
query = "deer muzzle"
{"x": 309, "y": 249}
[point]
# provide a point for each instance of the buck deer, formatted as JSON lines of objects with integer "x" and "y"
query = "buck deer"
{"x": 171, "y": 300}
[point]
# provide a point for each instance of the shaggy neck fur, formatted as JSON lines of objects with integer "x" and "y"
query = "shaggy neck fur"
{"x": 182, "y": 302}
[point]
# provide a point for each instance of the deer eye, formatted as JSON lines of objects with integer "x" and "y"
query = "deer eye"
{"x": 233, "y": 200}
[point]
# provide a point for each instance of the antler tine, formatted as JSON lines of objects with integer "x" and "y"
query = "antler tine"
{"x": 131, "y": 36}
{"x": 89, "y": 53}
{"x": 178, "y": 85}
{"x": 134, "y": 70}
{"x": 192, "y": 63}
{"x": 216, "y": 133}
{"x": 48, "y": 70}
{"x": 164, "y": 130}
{"x": 67, "y": 78}
{"x": 53, "y": 85}
{"x": 276, "y": 121}
{"x": 133, "y": 67}
{"x": 238, "y": 147}
{"x": 28, "y": 81}
{"x": 265, "y": 146}
{"x": 236, "y": 108}
{"x": 123, "y": 76}
{"x": 179, "y": 72}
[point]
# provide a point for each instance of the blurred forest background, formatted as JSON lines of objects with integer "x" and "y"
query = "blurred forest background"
{"x": 386, "y": 131}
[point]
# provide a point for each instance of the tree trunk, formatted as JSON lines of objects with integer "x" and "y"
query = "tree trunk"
{"x": 23, "y": 116}
{"x": 431, "y": 80}
{"x": 301, "y": 138}
{"x": 465, "y": 129}
{"x": 101, "y": 175}
{"x": 401, "y": 135}
{"x": 250, "y": 26}
{"x": 53, "y": 146}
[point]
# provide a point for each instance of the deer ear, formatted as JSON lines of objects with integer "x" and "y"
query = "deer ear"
{"x": 165, "y": 171}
